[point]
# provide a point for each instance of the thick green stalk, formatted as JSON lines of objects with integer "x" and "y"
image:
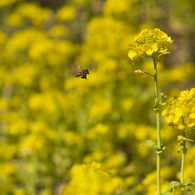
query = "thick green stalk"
{"x": 158, "y": 128}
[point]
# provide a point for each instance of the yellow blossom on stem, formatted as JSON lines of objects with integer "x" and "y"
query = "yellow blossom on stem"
{"x": 181, "y": 110}
{"x": 148, "y": 42}
{"x": 180, "y": 140}
{"x": 181, "y": 127}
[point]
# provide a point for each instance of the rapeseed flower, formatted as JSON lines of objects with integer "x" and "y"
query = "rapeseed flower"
{"x": 66, "y": 13}
{"x": 180, "y": 111}
{"x": 148, "y": 42}
{"x": 91, "y": 179}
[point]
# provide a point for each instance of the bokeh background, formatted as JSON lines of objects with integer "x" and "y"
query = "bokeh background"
{"x": 54, "y": 126}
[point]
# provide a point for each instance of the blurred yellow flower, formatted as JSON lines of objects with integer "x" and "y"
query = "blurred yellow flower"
{"x": 7, "y": 151}
{"x": 73, "y": 138}
{"x": 58, "y": 31}
{"x": 18, "y": 127}
{"x": 32, "y": 11}
{"x": 21, "y": 40}
{"x": 29, "y": 70}
{"x": 100, "y": 181}
{"x": 99, "y": 130}
{"x": 115, "y": 161}
{"x": 19, "y": 192}
{"x": 100, "y": 108}
{"x": 43, "y": 102}
{"x": 66, "y": 13}
{"x": 129, "y": 181}
{"x": 4, "y": 3}
{"x": 32, "y": 144}
{"x": 14, "y": 19}
{"x": 7, "y": 169}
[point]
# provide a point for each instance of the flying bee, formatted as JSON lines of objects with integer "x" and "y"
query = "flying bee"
{"x": 83, "y": 74}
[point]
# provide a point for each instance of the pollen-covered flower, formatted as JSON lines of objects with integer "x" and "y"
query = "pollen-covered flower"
{"x": 180, "y": 111}
{"x": 148, "y": 42}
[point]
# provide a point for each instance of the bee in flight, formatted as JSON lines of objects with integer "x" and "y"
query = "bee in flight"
{"x": 83, "y": 74}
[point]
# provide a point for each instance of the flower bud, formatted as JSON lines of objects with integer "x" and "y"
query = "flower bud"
{"x": 180, "y": 140}
{"x": 181, "y": 127}
{"x": 138, "y": 72}
{"x": 163, "y": 97}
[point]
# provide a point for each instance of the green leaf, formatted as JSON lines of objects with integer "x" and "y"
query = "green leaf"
{"x": 193, "y": 183}
{"x": 172, "y": 185}
{"x": 150, "y": 143}
{"x": 186, "y": 183}
{"x": 163, "y": 148}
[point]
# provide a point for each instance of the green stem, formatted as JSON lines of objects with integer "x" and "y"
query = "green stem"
{"x": 158, "y": 128}
{"x": 183, "y": 162}
{"x": 149, "y": 74}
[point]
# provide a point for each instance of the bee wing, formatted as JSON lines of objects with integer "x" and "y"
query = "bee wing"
{"x": 80, "y": 67}
{"x": 78, "y": 74}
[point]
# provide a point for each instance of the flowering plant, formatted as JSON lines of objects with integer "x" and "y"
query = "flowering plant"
{"x": 148, "y": 42}
{"x": 180, "y": 111}
{"x": 155, "y": 44}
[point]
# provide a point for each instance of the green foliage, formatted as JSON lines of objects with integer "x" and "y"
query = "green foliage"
{"x": 52, "y": 123}
{"x": 174, "y": 184}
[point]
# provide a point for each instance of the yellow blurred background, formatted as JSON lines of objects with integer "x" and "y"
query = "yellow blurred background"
{"x": 59, "y": 132}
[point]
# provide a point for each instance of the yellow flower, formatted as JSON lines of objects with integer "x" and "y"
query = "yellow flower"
{"x": 58, "y": 31}
{"x": 133, "y": 56}
{"x": 181, "y": 109}
{"x": 180, "y": 138}
{"x": 4, "y": 3}
{"x": 148, "y": 42}
{"x": 181, "y": 127}
{"x": 100, "y": 181}
{"x": 66, "y": 13}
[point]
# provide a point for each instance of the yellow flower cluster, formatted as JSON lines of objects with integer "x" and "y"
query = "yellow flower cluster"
{"x": 100, "y": 181}
{"x": 181, "y": 111}
{"x": 148, "y": 42}
{"x": 29, "y": 11}
{"x": 66, "y": 13}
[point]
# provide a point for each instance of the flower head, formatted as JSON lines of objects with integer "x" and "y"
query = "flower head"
{"x": 180, "y": 111}
{"x": 148, "y": 42}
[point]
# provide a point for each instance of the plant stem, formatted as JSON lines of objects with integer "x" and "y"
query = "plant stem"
{"x": 158, "y": 127}
{"x": 183, "y": 162}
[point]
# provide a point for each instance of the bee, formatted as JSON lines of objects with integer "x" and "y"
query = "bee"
{"x": 83, "y": 74}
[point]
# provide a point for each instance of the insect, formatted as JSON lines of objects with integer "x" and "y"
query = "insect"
{"x": 83, "y": 74}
